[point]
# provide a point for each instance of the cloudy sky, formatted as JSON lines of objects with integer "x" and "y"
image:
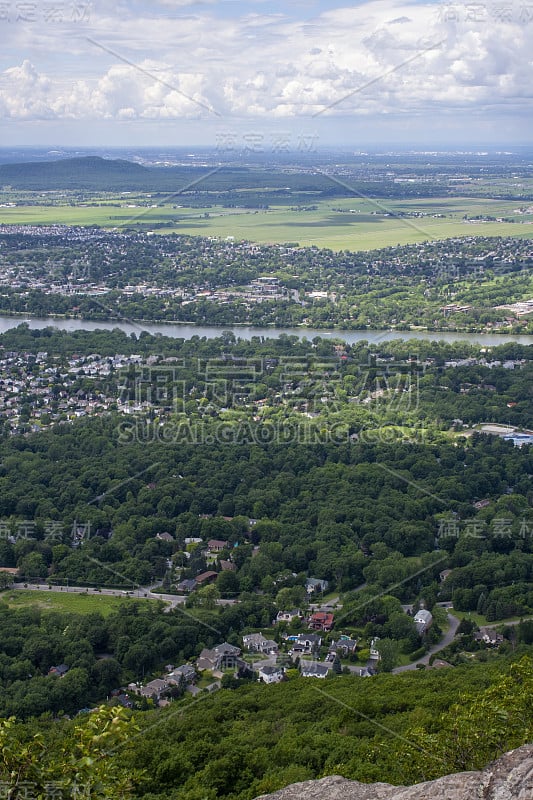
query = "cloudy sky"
{"x": 224, "y": 72}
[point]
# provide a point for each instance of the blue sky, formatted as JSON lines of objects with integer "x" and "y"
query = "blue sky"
{"x": 262, "y": 75}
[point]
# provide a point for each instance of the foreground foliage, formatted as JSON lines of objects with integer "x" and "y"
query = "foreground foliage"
{"x": 237, "y": 745}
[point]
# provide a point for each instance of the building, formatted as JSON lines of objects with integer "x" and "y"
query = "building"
{"x": 186, "y": 673}
{"x": 288, "y": 616}
{"x": 223, "y": 656}
{"x": 165, "y": 537}
{"x": 60, "y": 670}
{"x": 257, "y": 643}
{"x": 519, "y": 439}
{"x": 312, "y": 669}
{"x": 205, "y": 578}
{"x": 304, "y": 643}
{"x": 344, "y": 647}
{"x": 366, "y": 672}
{"x": 423, "y": 621}
{"x": 489, "y": 637}
{"x": 320, "y": 621}
{"x": 153, "y": 690}
{"x": 316, "y": 586}
{"x": 188, "y": 585}
{"x": 271, "y": 674}
{"x": 216, "y": 545}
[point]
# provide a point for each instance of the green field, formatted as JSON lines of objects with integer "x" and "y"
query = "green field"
{"x": 344, "y": 223}
{"x": 58, "y": 601}
{"x": 481, "y": 621}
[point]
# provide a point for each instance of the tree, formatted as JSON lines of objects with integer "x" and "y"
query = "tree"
{"x": 208, "y": 596}
{"x": 227, "y": 584}
{"x": 6, "y": 580}
{"x": 476, "y": 730}
{"x": 388, "y": 651}
{"x": 79, "y": 764}
{"x": 33, "y": 566}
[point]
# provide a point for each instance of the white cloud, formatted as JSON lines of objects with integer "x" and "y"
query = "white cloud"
{"x": 348, "y": 61}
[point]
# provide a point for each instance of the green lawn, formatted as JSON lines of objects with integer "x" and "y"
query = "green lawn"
{"x": 480, "y": 620}
{"x": 59, "y": 601}
{"x": 345, "y": 223}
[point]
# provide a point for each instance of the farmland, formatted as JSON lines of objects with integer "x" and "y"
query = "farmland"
{"x": 352, "y": 223}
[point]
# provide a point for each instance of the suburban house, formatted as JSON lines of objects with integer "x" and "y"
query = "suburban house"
{"x": 259, "y": 644}
{"x": 316, "y": 586}
{"x": 153, "y": 690}
{"x": 305, "y": 643}
{"x": 312, "y": 669}
{"x": 121, "y": 698}
{"x": 320, "y": 621}
{"x": 205, "y": 578}
{"x": 344, "y": 647}
{"x": 216, "y": 545}
{"x": 288, "y": 616}
{"x": 186, "y": 673}
{"x": 223, "y": 656}
{"x": 488, "y": 636}
{"x": 271, "y": 674}
{"x": 366, "y": 672}
{"x": 60, "y": 670}
{"x": 188, "y": 585}
{"x": 165, "y": 537}
{"x": 374, "y": 652}
{"x": 227, "y": 566}
{"x": 423, "y": 620}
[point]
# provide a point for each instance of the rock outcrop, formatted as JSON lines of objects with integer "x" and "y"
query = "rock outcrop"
{"x": 508, "y": 778}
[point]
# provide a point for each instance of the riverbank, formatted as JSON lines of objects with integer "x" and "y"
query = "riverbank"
{"x": 185, "y": 330}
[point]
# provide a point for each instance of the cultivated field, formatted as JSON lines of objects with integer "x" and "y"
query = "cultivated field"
{"x": 345, "y": 223}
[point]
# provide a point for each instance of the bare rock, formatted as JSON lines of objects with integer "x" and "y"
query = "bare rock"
{"x": 508, "y": 778}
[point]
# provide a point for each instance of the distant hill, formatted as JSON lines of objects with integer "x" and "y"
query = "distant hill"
{"x": 88, "y": 172}
{"x": 227, "y": 184}
{"x": 94, "y": 173}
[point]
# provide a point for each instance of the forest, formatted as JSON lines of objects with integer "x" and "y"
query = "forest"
{"x": 380, "y": 520}
{"x": 388, "y": 521}
{"x": 238, "y": 744}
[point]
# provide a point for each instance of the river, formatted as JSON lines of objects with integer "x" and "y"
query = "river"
{"x": 177, "y": 330}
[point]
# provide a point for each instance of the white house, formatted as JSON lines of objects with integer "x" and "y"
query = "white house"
{"x": 312, "y": 669}
{"x": 288, "y": 616}
{"x": 271, "y": 674}
{"x": 423, "y": 620}
{"x": 305, "y": 643}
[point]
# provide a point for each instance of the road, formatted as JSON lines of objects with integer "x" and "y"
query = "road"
{"x": 447, "y": 639}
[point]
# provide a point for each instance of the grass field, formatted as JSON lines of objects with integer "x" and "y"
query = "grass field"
{"x": 480, "y": 620}
{"x": 59, "y": 601}
{"x": 345, "y": 223}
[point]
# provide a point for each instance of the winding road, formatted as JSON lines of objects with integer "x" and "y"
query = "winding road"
{"x": 448, "y": 637}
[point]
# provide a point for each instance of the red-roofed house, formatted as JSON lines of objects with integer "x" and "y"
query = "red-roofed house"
{"x": 205, "y": 578}
{"x": 320, "y": 621}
